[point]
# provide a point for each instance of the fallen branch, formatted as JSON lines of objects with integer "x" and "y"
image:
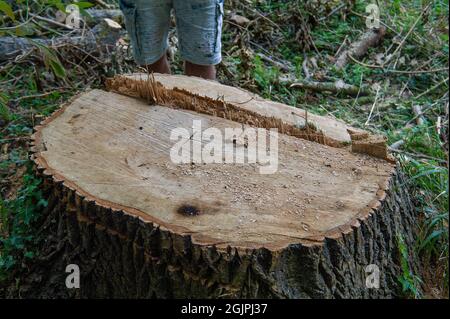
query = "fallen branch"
{"x": 417, "y": 110}
{"x": 360, "y": 100}
{"x": 396, "y": 145}
{"x": 96, "y": 16}
{"x": 53, "y": 22}
{"x": 103, "y": 35}
{"x": 305, "y": 68}
{"x": 338, "y": 87}
{"x": 280, "y": 65}
{"x": 359, "y": 48}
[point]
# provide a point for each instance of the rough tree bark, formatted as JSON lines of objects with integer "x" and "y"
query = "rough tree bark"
{"x": 296, "y": 234}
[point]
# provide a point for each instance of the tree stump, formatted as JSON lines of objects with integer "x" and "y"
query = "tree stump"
{"x": 140, "y": 226}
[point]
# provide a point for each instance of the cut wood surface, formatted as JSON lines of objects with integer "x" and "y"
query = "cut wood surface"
{"x": 142, "y": 226}
{"x": 125, "y": 163}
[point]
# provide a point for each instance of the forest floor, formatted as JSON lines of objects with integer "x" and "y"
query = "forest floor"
{"x": 267, "y": 46}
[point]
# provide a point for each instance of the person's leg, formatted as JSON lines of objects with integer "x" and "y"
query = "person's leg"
{"x": 199, "y": 26}
{"x": 203, "y": 71}
{"x": 147, "y": 23}
{"x": 160, "y": 66}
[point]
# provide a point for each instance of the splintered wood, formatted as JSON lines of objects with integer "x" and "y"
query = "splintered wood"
{"x": 240, "y": 106}
{"x": 155, "y": 93}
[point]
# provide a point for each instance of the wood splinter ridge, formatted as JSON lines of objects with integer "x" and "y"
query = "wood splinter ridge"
{"x": 155, "y": 93}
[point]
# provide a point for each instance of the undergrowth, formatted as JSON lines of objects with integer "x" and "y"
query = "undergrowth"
{"x": 16, "y": 223}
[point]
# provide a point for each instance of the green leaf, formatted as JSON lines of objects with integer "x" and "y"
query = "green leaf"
{"x": 29, "y": 254}
{"x": 3, "y": 98}
{"x": 436, "y": 234}
{"x": 6, "y": 262}
{"x": 57, "y": 4}
{"x": 58, "y": 68}
{"x": 6, "y": 9}
{"x": 84, "y": 4}
{"x": 25, "y": 30}
{"x": 5, "y": 114}
{"x": 42, "y": 202}
{"x": 51, "y": 59}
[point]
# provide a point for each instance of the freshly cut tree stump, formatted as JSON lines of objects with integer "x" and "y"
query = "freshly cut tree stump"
{"x": 140, "y": 226}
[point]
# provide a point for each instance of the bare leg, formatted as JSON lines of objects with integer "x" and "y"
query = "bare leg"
{"x": 203, "y": 71}
{"x": 160, "y": 66}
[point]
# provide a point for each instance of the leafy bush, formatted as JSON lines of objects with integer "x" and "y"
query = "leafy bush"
{"x": 16, "y": 222}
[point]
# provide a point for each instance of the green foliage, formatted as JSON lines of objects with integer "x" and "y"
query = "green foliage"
{"x": 265, "y": 77}
{"x": 84, "y": 4}
{"x": 429, "y": 181}
{"x": 409, "y": 281}
{"x": 51, "y": 59}
{"x": 356, "y": 73}
{"x": 5, "y": 114}
{"x": 422, "y": 139}
{"x": 16, "y": 223}
{"x": 58, "y": 4}
{"x": 6, "y": 9}
{"x": 432, "y": 194}
{"x": 333, "y": 36}
{"x": 22, "y": 106}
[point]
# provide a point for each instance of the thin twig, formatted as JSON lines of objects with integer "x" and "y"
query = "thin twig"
{"x": 417, "y": 110}
{"x": 33, "y": 96}
{"x": 432, "y": 88}
{"x": 56, "y": 23}
{"x": 341, "y": 46}
{"x": 265, "y": 18}
{"x": 419, "y": 155}
{"x": 338, "y": 8}
{"x": 373, "y": 107}
{"x": 373, "y": 66}
{"x": 280, "y": 65}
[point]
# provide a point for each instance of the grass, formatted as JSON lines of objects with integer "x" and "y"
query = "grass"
{"x": 409, "y": 281}
{"x": 16, "y": 223}
{"x": 423, "y": 155}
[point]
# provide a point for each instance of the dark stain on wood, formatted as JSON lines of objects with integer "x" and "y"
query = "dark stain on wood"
{"x": 188, "y": 210}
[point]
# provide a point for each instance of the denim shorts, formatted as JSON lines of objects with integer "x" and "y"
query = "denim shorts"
{"x": 199, "y": 27}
